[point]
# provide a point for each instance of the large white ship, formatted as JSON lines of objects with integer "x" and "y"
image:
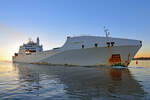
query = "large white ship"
{"x": 82, "y": 51}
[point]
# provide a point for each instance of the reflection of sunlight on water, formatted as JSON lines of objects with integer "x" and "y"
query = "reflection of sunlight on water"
{"x": 8, "y": 78}
{"x": 7, "y": 69}
{"x": 141, "y": 63}
{"x": 141, "y": 72}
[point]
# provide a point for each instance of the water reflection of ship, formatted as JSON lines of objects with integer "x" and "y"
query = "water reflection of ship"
{"x": 29, "y": 79}
{"x": 83, "y": 83}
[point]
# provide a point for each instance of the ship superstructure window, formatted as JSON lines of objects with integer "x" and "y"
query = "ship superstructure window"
{"x": 112, "y": 43}
{"x": 141, "y": 42}
{"x": 82, "y": 46}
{"x": 96, "y": 45}
{"x": 16, "y": 54}
{"x": 108, "y": 44}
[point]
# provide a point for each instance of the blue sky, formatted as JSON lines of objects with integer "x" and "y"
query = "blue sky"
{"x": 54, "y": 20}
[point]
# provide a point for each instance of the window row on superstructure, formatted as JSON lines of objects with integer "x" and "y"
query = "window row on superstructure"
{"x": 109, "y": 44}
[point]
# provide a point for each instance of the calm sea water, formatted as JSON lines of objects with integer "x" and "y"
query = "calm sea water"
{"x": 36, "y": 82}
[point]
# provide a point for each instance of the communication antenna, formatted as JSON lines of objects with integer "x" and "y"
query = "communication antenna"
{"x": 106, "y": 31}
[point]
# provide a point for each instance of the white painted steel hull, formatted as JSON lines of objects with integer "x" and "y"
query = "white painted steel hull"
{"x": 82, "y": 57}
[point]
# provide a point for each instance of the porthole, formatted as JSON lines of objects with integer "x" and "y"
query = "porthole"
{"x": 141, "y": 42}
{"x": 96, "y": 45}
{"x": 82, "y": 46}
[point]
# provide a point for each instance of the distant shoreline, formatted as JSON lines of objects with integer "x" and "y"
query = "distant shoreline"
{"x": 142, "y": 58}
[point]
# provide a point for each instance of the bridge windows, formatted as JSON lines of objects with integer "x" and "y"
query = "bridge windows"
{"x": 110, "y": 44}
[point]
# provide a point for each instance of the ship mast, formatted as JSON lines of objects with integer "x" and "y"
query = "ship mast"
{"x": 38, "y": 41}
{"x": 106, "y": 31}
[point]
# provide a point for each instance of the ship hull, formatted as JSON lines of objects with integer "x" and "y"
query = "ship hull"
{"x": 121, "y": 55}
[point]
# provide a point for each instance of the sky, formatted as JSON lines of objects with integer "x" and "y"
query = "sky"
{"x": 53, "y": 20}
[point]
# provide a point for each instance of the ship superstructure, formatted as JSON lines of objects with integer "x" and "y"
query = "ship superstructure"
{"x": 30, "y": 47}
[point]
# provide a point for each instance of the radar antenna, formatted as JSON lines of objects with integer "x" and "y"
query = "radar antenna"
{"x": 106, "y": 31}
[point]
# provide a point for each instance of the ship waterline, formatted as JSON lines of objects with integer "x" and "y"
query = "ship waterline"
{"x": 84, "y": 51}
